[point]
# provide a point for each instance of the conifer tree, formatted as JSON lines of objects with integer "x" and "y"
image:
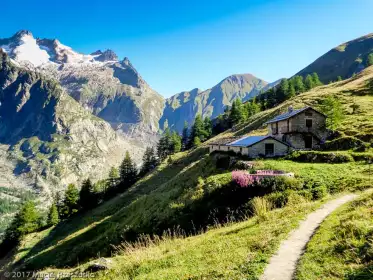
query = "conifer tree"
{"x": 149, "y": 161}
{"x": 70, "y": 203}
{"x": 128, "y": 171}
{"x": 53, "y": 217}
{"x": 316, "y": 80}
{"x": 236, "y": 114}
{"x": 370, "y": 60}
{"x": 332, "y": 108}
{"x": 113, "y": 179}
{"x": 185, "y": 137}
{"x": 197, "y": 131}
{"x": 176, "y": 142}
{"x": 308, "y": 82}
{"x": 165, "y": 145}
{"x": 24, "y": 222}
{"x": 207, "y": 123}
{"x": 87, "y": 195}
{"x": 298, "y": 84}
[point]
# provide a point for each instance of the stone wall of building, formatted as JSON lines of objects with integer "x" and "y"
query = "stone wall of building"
{"x": 258, "y": 149}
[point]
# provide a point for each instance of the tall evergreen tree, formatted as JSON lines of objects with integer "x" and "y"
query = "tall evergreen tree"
{"x": 88, "y": 198}
{"x": 24, "y": 222}
{"x": 298, "y": 84}
{"x": 308, "y": 82}
{"x": 128, "y": 171}
{"x": 113, "y": 179}
{"x": 332, "y": 108}
{"x": 283, "y": 90}
{"x": 236, "y": 114}
{"x": 370, "y": 60}
{"x": 185, "y": 136}
{"x": 53, "y": 217}
{"x": 149, "y": 161}
{"x": 197, "y": 131}
{"x": 207, "y": 123}
{"x": 70, "y": 203}
{"x": 176, "y": 142}
{"x": 316, "y": 80}
{"x": 165, "y": 145}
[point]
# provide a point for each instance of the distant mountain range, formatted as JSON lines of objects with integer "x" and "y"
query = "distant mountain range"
{"x": 210, "y": 103}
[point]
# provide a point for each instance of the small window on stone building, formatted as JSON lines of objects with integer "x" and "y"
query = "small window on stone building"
{"x": 308, "y": 123}
{"x": 308, "y": 113}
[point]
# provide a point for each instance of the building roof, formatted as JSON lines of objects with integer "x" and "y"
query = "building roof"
{"x": 290, "y": 114}
{"x": 251, "y": 140}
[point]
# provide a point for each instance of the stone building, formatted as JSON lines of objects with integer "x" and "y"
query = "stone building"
{"x": 296, "y": 129}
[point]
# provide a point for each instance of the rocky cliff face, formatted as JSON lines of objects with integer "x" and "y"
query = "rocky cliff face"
{"x": 110, "y": 89}
{"x": 51, "y": 139}
{"x": 185, "y": 106}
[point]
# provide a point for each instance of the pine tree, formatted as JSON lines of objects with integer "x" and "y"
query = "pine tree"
{"x": 128, "y": 172}
{"x": 370, "y": 60}
{"x": 53, "y": 217}
{"x": 197, "y": 131}
{"x": 292, "y": 92}
{"x": 70, "y": 203}
{"x": 308, "y": 82}
{"x": 236, "y": 114}
{"x": 149, "y": 161}
{"x": 298, "y": 84}
{"x": 207, "y": 123}
{"x": 316, "y": 80}
{"x": 24, "y": 222}
{"x": 185, "y": 137}
{"x": 196, "y": 142}
{"x": 332, "y": 108}
{"x": 165, "y": 145}
{"x": 88, "y": 198}
{"x": 176, "y": 142}
{"x": 113, "y": 179}
{"x": 283, "y": 90}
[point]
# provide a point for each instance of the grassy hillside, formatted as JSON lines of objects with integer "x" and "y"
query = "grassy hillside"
{"x": 192, "y": 185}
{"x": 345, "y": 60}
{"x": 342, "y": 248}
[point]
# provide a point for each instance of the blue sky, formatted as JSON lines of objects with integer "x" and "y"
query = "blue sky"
{"x": 180, "y": 45}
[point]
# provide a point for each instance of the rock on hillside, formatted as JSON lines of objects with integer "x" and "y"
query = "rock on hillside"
{"x": 107, "y": 87}
{"x": 185, "y": 106}
{"x": 344, "y": 60}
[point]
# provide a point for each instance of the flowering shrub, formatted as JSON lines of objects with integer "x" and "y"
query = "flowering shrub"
{"x": 243, "y": 179}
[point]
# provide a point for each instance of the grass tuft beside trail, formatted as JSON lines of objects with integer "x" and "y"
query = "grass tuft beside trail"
{"x": 342, "y": 248}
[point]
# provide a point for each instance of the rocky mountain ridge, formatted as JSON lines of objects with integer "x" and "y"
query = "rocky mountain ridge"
{"x": 186, "y": 105}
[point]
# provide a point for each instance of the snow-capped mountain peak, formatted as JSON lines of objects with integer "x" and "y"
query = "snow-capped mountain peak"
{"x": 24, "y": 49}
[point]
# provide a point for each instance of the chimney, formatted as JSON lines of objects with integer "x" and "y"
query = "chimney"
{"x": 290, "y": 109}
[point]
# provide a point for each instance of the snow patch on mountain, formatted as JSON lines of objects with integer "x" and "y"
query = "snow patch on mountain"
{"x": 28, "y": 50}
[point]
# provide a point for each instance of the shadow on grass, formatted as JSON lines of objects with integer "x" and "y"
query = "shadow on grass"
{"x": 97, "y": 230}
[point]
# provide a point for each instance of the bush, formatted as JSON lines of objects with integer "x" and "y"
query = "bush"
{"x": 368, "y": 157}
{"x": 319, "y": 192}
{"x": 345, "y": 143}
{"x": 320, "y": 157}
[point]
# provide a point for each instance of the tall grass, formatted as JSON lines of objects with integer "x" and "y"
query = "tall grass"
{"x": 261, "y": 207}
